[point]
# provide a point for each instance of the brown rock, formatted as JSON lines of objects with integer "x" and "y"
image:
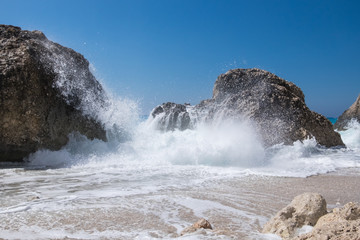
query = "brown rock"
{"x": 47, "y": 92}
{"x": 304, "y": 209}
{"x": 275, "y": 106}
{"x": 352, "y": 113}
{"x": 343, "y": 223}
{"x": 201, "y": 224}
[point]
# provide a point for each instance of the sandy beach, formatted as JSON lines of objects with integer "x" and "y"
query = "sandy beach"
{"x": 265, "y": 196}
{"x": 237, "y": 207}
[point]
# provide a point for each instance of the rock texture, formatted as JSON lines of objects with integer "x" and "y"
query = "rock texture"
{"x": 172, "y": 116}
{"x": 46, "y": 92}
{"x": 341, "y": 224}
{"x": 276, "y": 108}
{"x": 352, "y": 113}
{"x": 202, "y": 223}
{"x": 305, "y": 209}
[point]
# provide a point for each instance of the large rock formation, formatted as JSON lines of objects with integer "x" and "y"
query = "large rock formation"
{"x": 276, "y": 108}
{"x": 352, "y": 113}
{"x": 47, "y": 92}
{"x": 304, "y": 209}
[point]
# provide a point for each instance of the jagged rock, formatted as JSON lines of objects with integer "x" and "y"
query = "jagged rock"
{"x": 202, "y": 223}
{"x": 47, "y": 92}
{"x": 304, "y": 209}
{"x": 352, "y": 113}
{"x": 276, "y": 107}
{"x": 172, "y": 116}
{"x": 343, "y": 223}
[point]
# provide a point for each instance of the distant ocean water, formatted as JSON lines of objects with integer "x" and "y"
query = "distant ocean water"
{"x": 332, "y": 120}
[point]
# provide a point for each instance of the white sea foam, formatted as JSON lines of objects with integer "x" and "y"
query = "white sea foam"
{"x": 227, "y": 145}
{"x": 351, "y": 136}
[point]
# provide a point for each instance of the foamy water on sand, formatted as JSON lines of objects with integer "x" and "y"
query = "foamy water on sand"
{"x": 147, "y": 184}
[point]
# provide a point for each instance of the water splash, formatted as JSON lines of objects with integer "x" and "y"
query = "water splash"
{"x": 224, "y": 139}
{"x": 351, "y": 136}
{"x": 73, "y": 78}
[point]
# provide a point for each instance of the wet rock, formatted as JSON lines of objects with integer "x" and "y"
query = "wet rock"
{"x": 172, "y": 116}
{"x": 201, "y": 224}
{"x": 304, "y": 209}
{"x": 276, "y": 108}
{"x": 47, "y": 92}
{"x": 352, "y": 113}
{"x": 342, "y": 223}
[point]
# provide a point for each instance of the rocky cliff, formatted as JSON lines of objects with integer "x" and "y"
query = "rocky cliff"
{"x": 352, "y": 113}
{"x": 276, "y": 108}
{"x": 46, "y": 92}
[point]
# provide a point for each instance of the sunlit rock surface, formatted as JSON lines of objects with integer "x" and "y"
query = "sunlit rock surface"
{"x": 47, "y": 92}
{"x": 304, "y": 209}
{"x": 275, "y": 107}
{"x": 341, "y": 224}
{"x": 352, "y": 113}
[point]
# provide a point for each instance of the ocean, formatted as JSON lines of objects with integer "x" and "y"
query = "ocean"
{"x": 332, "y": 120}
{"x": 148, "y": 184}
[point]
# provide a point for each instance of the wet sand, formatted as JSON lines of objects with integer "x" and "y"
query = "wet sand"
{"x": 237, "y": 207}
{"x": 262, "y": 197}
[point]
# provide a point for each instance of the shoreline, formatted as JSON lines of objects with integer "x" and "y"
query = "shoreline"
{"x": 264, "y": 196}
{"x": 338, "y": 187}
{"x": 237, "y": 207}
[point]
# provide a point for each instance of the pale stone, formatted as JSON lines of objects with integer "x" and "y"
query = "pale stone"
{"x": 341, "y": 224}
{"x": 201, "y": 224}
{"x": 304, "y": 209}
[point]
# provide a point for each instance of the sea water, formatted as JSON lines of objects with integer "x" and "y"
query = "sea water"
{"x": 148, "y": 184}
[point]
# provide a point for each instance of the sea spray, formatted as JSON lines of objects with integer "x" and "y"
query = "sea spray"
{"x": 351, "y": 136}
{"x": 224, "y": 140}
{"x": 77, "y": 85}
{"x": 80, "y": 89}
{"x": 225, "y": 144}
{"x": 230, "y": 144}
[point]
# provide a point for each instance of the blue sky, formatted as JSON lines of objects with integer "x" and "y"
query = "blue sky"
{"x": 156, "y": 51}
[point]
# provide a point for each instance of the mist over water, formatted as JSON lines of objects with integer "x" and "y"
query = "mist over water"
{"x": 227, "y": 144}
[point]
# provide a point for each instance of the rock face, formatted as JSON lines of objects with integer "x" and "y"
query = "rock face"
{"x": 202, "y": 223}
{"x": 47, "y": 92}
{"x": 341, "y": 224}
{"x": 172, "y": 116}
{"x": 352, "y": 113}
{"x": 305, "y": 209}
{"x": 276, "y": 107}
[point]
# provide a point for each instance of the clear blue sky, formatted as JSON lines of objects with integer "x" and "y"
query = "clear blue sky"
{"x": 156, "y": 51}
